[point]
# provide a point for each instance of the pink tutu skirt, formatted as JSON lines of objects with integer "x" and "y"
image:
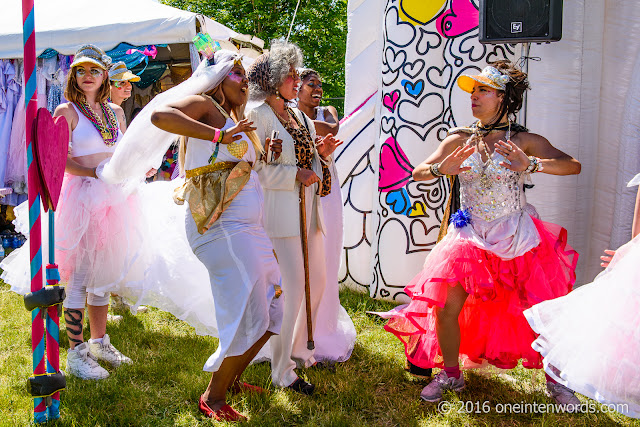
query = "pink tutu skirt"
{"x": 98, "y": 239}
{"x": 493, "y": 327}
{"x": 97, "y": 226}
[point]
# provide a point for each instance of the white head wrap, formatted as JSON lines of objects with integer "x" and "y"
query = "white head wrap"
{"x": 143, "y": 145}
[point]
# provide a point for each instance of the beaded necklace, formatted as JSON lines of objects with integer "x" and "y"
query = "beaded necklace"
{"x": 282, "y": 119}
{"x": 108, "y": 131}
{"x": 487, "y": 129}
{"x": 485, "y": 180}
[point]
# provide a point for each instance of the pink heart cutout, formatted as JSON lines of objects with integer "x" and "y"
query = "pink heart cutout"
{"x": 51, "y": 139}
{"x": 390, "y": 99}
{"x": 395, "y": 169}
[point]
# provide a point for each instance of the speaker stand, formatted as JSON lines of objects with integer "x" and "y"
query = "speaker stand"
{"x": 524, "y": 57}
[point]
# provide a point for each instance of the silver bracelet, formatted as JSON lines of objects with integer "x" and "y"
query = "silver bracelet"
{"x": 434, "y": 169}
{"x": 534, "y": 165}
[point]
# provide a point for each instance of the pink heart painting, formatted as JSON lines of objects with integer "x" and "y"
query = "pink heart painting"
{"x": 395, "y": 169}
{"x": 390, "y": 100}
{"x": 51, "y": 138}
{"x": 461, "y": 18}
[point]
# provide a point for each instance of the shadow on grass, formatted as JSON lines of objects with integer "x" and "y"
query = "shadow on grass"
{"x": 163, "y": 385}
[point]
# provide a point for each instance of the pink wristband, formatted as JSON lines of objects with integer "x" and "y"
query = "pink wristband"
{"x": 216, "y": 136}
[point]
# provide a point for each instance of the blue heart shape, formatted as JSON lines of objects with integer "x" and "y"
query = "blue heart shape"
{"x": 398, "y": 200}
{"x": 413, "y": 89}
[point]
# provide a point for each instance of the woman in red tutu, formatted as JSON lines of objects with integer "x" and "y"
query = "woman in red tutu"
{"x": 497, "y": 258}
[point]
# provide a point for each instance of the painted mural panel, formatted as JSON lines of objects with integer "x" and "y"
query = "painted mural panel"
{"x": 425, "y": 46}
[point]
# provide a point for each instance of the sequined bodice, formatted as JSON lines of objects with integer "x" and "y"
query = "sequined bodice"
{"x": 490, "y": 191}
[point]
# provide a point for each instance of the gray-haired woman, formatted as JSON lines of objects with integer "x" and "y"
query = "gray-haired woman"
{"x": 274, "y": 80}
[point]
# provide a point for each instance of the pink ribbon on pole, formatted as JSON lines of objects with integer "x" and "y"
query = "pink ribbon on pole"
{"x": 151, "y": 51}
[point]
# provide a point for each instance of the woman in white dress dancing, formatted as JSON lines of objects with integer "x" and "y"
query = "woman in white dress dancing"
{"x": 224, "y": 226}
{"x": 590, "y": 338}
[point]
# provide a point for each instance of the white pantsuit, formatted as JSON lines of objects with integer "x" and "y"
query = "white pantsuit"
{"x": 282, "y": 223}
{"x": 290, "y": 347}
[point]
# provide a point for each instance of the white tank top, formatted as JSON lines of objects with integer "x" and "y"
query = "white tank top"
{"x": 86, "y": 139}
{"x": 321, "y": 114}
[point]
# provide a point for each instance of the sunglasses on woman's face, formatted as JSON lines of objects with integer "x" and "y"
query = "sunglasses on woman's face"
{"x": 95, "y": 72}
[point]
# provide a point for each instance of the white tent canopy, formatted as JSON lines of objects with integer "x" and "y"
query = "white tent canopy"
{"x": 138, "y": 22}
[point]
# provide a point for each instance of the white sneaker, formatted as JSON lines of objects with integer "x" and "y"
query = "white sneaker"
{"x": 82, "y": 364}
{"x": 114, "y": 318}
{"x": 107, "y": 352}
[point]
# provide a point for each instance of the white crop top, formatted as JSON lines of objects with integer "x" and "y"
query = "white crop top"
{"x": 86, "y": 139}
{"x": 199, "y": 151}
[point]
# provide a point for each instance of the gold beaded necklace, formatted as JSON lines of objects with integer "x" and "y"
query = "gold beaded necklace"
{"x": 282, "y": 119}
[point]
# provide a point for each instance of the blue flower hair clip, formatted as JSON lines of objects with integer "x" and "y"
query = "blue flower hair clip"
{"x": 460, "y": 218}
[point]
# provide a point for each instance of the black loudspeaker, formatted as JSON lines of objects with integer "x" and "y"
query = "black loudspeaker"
{"x": 519, "y": 21}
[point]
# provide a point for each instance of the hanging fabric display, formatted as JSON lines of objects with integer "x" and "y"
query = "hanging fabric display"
{"x": 10, "y": 90}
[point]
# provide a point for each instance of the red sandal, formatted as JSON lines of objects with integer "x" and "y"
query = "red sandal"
{"x": 226, "y": 413}
{"x": 246, "y": 388}
{"x": 206, "y": 410}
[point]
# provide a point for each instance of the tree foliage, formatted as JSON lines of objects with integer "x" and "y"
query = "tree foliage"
{"x": 320, "y": 29}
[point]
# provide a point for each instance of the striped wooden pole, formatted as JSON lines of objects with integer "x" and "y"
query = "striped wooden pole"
{"x": 53, "y": 321}
{"x": 35, "y": 238}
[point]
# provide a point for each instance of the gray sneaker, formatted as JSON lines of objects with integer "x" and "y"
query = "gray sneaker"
{"x": 82, "y": 364}
{"x": 433, "y": 391}
{"x": 107, "y": 352}
{"x": 563, "y": 396}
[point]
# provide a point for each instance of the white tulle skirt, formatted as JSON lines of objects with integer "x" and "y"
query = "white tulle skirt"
{"x": 590, "y": 338}
{"x": 134, "y": 243}
{"x": 96, "y": 225}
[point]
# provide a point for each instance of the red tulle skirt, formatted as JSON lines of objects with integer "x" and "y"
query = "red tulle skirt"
{"x": 493, "y": 328}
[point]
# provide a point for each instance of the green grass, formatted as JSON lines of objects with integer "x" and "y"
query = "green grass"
{"x": 162, "y": 387}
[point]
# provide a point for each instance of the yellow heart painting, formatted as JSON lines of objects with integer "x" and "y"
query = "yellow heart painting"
{"x": 420, "y": 12}
{"x": 417, "y": 210}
